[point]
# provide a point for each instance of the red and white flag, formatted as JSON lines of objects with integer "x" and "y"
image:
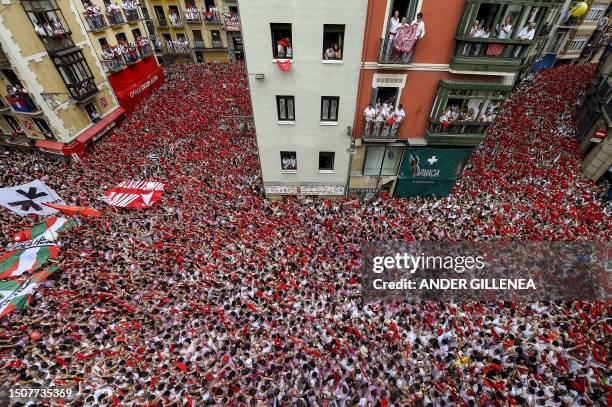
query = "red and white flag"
{"x": 134, "y": 194}
{"x": 599, "y": 136}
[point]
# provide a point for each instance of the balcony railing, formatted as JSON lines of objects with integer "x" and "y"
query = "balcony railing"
{"x": 115, "y": 18}
{"x": 199, "y": 44}
{"x": 193, "y": 16}
{"x": 177, "y": 47}
{"x": 114, "y": 64}
{"x": 389, "y": 54}
{"x": 217, "y": 44}
{"x": 446, "y": 128}
{"x": 58, "y": 42}
{"x": 212, "y": 17}
{"x": 162, "y": 22}
{"x": 157, "y": 45}
{"x": 96, "y": 22}
{"x": 145, "y": 49}
{"x": 380, "y": 131}
{"x": 484, "y": 54}
{"x": 82, "y": 90}
{"x": 131, "y": 56}
{"x": 131, "y": 15}
{"x": 176, "y": 21}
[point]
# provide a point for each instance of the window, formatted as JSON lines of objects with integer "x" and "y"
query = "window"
{"x": 13, "y": 124}
{"x": 288, "y": 161}
{"x": 333, "y": 41}
{"x": 136, "y": 33}
{"x": 92, "y": 112}
{"x": 578, "y": 42}
{"x": 281, "y": 41}
{"x": 43, "y": 127}
{"x": 326, "y": 161}
{"x": 329, "y": 108}
{"x": 216, "y": 39}
{"x": 76, "y": 75}
{"x": 285, "y": 108}
{"x": 103, "y": 42}
{"x": 596, "y": 12}
{"x": 382, "y": 160}
{"x": 120, "y": 37}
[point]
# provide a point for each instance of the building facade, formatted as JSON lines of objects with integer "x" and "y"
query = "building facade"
{"x": 574, "y": 34}
{"x": 303, "y": 63}
{"x": 594, "y": 122}
{"x": 120, "y": 38}
{"x": 450, "y": 71}
{"x": 55, "y": 94}
{"x": 191, "y": 30}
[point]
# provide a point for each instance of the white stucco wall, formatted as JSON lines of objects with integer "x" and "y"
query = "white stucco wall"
{"x": 307, "y": 80}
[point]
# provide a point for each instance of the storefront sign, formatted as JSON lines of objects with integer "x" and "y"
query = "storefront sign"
{"x": 324, "y": 190}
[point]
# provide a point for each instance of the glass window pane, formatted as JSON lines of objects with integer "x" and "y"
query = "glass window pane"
{"x": 290, "y": 108}
{"x": 393, "y": 156}
{"x": 334, "y": 110}
{"x": 325, "y": 115}
{"x": 374, "y": 158}
{"x": 282, "y": 108}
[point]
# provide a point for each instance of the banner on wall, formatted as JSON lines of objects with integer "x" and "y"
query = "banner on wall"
{"x": 134, "y": 82}
{"x": 430, "y": 171}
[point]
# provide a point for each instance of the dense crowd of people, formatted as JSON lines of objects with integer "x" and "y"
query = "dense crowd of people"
{"x": 219, "y": 296}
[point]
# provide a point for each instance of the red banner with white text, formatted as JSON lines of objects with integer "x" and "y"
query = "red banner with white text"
{"x": 136, "y": 81}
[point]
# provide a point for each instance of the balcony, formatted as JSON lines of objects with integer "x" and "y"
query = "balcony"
{"x": 21, "y": 102}
{"x": 58, "y": 42}
{"x": 114, "y": 64}
{"x": 131, "y": 15}
{"x": 177, "y": 47}
{"x": 131, "y": 55}
{"x": 458, "y": 133}
{"x": 389, "y": 54}
{"x": 96, "y": 22}
{"x": 212, "y": 17}
{"x": 380, "y": 132}
{"x": 115, "y": 18}
{"x": 157, "y": 45}
{"x": 489, "y": 54}
{"x": 199, "y": 44}
{"x": 176, "y": 21}
{"x": 217, "y": 44}
{"x": 193, "y": 16}
{"x": 82, "y": 91}
{"x": 144, "y": 48}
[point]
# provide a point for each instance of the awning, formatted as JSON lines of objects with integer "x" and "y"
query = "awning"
{"x": 101, "y": 126}
{"x": 77, "y": 146}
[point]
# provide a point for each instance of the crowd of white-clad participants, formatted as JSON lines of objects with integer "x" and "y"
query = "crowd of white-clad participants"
{"x": 218, "y": 296}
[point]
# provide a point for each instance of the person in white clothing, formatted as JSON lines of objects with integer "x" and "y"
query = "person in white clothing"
{"x": 528, "y": 32}
{"x": 504, "y": 31}
{"x": 398, "y": 118}
{"x": 369, "y": 113}
{"x": 420, "y": 32}
{"x": 394, "y": 23}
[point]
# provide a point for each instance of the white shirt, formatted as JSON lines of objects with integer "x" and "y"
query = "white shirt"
{"x": 394, "y": 23}
{"x": 526, "y": 33}
{"x": 399, "y": 115}
{"x": 369, "y": 113}
{"x": 420, "y": 32}
{"x": 505, "y": 31}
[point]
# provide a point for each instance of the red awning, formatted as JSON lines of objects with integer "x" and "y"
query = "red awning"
{"x": 77, "y": 145}
{"x": 100, "y": 126}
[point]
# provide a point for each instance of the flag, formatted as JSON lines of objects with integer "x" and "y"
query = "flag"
{"x": 599, "y": 136}
{"x": 70, "y": 210}
{"x": 18, "y": 104}
{"x": 16, "y": 294}
{"x": 43, "y": 234}
{"x": 27, "y": 199}
{"x": 16, "y": 263}
{"x": 134, "y": 194}
{"x": 284, "y": 64}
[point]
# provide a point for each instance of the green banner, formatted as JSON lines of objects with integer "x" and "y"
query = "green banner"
{"x": 430, "y": 171}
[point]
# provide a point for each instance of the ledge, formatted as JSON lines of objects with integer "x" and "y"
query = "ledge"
{"x": 332, "y": 61}
{"x": 326, "y": 171}
{"x": 288, "y": 171}
{"x": 285, "y": 123}
{"x": 328, "y": 123}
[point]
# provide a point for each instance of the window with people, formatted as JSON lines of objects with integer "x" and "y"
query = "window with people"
{"x": 401, "y": 38}
{"x": 501, "y": 22}
{"x": 281, "y": 41}
{"x": 46, "y": 18}
{"x": 288, "y": 161}
{"x": 465, "y": 110}
{"x": 333, "y": 41}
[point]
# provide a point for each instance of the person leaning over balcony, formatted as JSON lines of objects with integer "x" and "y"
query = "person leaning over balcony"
{"x": 394, "y": 23}
{"x": 369, "y": 114}
{"x": 399, "y": 116}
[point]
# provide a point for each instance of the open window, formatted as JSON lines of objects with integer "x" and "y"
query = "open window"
{"x": 326, "y": 161}
{"x": 288, "y": 161}
{"x": 333, "y": 42}
{"x": 282, "y": 47}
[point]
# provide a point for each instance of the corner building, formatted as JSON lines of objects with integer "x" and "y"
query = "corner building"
{"x": 452, "y": 83}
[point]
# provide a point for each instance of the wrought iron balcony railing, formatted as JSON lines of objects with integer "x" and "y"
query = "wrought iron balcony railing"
{"x": 96, "y": 22}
